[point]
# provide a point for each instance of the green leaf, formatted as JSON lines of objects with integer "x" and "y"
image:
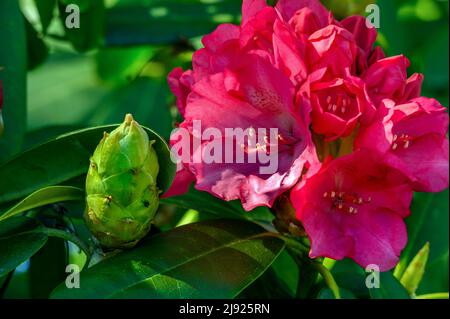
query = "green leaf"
{"x": 20, "y": 239}
{"x": 267, "y": 286}
{"x": 428, "y": 223}
{"x": 145, "y": 98}
{"x": 166, "y": 21}
{"x": 50, "y": 105}
{"x": 45, "y": 9}
{"x": 64, "y": 158}
{"x": 120, "y": 65}
{"x": 308, "y": 275}
{"x": 287, "y": 272}
{"x": 390, "y": 288}
{"x": 207, "y": 203}
{"x": 203, "y": 202}
{"x": 89, "y": 34}
{"x": 212, "y": 259}
{"x": 45, "y": 196}
{"x": 414, "y": 272}
{"x": 326, "y": 293}
{"x": 47, "y": 268}
{"x": 13, "y": 64}
{"x": 350, "y": 276}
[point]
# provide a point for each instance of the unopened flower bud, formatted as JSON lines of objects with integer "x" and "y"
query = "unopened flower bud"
{"x": 122, "y": 195}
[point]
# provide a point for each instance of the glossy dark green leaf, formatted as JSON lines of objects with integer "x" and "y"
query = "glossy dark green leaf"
{"x": 45, "y": 196}
{"x": 278, "y": 282}
{"x": 166, "y": 21}
{"x": 13, "y": 64}
{"x": 46, "y": 12}
{"x": 47, "y": 268}
{"x": 287, "y": 272}
{"x": 20, "y": 239}
{"x": 89, "y": 34}
{"x": 350, "y": 276}
{"x": 65, "y": 158}
{"x": 268, "y": 286}
{"x": 211, "y": 259}
{"x": 390, "y": 288}
{"x": 39, "y": 136}
{"x": 307, "y": 278}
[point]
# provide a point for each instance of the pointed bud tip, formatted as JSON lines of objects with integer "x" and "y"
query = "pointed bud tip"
{"x": 129, "y": 118}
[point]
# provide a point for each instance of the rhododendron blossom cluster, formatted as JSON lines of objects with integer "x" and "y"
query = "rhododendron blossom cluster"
{"x": 355, "y": 139}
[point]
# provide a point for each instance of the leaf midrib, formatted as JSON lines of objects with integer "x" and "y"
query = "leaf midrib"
{"x": 235, "y": 242}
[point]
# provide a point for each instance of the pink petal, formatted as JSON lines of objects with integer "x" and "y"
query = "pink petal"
{"x": 223, "y": 33}
{"x": 374, "y": 232}
{"x": 180, "y": 85}
{"x": 250, "y": 8}
{"x": 288, "y": 8}
{"x": 180, "y": 185}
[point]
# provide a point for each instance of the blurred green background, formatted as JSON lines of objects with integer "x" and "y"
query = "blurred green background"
{"x": 117, "y": 63}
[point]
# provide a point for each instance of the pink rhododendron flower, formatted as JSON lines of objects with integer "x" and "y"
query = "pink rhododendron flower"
{"x": 337, "y": 105}
{"x": 412, "y": 137}
{"x": 332, "y": 96}
{"x": 253, "y": 95}
{"x": 354, "y": 207}
{"x": 333, "y": 48}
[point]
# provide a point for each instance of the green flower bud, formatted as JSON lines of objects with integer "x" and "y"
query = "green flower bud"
{"x": 121, "y": 192}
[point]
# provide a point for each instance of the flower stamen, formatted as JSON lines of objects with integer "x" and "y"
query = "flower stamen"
{"x": 346, "y": 202}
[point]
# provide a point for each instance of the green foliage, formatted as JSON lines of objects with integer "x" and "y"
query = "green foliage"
{"x": 81, "y": 80}
{"x": 37, "y": 51}
{"x": 89, "y": 34}
{"x": 47, "y": 167}
{"x": 44, "y": 196}
{"x": 428, "y": 223}
{"x": 13, "y": 64}
{"x": 215, "y": 259}
{"x": 46, "y": 9}
{"x": 166, "y": 21}
{"x": 45, "y": 275}
{"x": 20, "y": 238}
{"x": 413, "y": 274}
{"x": 390, "y": 288}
